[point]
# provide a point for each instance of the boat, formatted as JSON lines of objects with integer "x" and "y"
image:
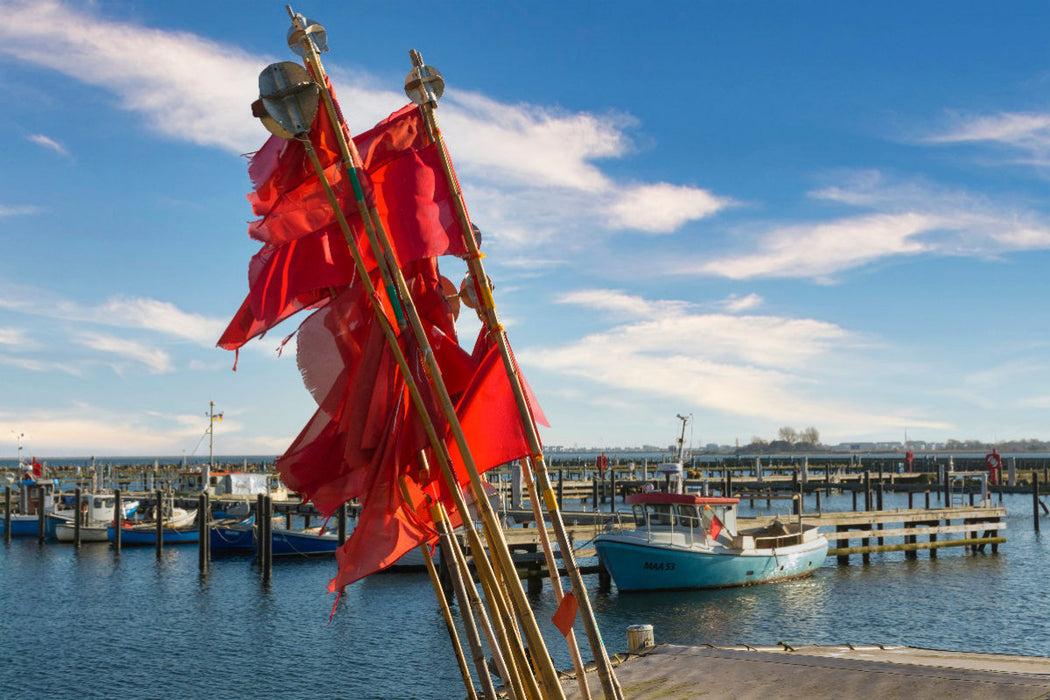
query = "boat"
{"x": 307, "y": 542}
{"x": 677, "y": 540}
{"x": 26, "y": 522}
{"x": 682, "y": 541}
{"x": 230, "y": 535}
{"x": 146, "y": 534}
{"x": 96, "y": 515}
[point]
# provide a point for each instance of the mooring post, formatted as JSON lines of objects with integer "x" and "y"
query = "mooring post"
{"x": 259, "y": 533}
{"x": 612, "y": 490}
{"x": 268, "y": 540}
{"x": 118, "y": 519}
{"x": 41, "y": 516}
{"x": 1035, "y": 500}
{"x": 927, "y": 499}
{"x": 820, "y": 506}
{"x": 7, "y": 514}
{"x": 867, "y": 490}
{"x": 594, "y": 494}
{"x": 561, "y": 488}
{"x": 881, "y": 494}
{"x": 77, "y": 517}
{"x": 160, "y": 524}
{"x": 341, "y": 524}
{"x": 203, "y": 534}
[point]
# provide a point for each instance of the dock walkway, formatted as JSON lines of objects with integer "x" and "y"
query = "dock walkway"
{"x": 673, "y": 672}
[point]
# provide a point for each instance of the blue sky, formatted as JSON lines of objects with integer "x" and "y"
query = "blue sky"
{"x": 762, "y": 214}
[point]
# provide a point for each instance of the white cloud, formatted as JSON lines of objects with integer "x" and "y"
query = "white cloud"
{"x": 1029, "y": 130}
{"x": 661, "y": 207}
{"x": 8, "y": 210}
{"x": 117, "y": 312}
{"x": 49, "y": 143}
{"x": 736, "y": 304}
{"x": 12, "y": 336}
{"x": 910, "y": 219}
{"x": 761, "y": 367}
{"x": 157, "y": 361}
{"x": 535, "y": 168}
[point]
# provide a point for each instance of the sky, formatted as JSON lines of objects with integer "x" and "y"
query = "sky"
{"x": 757, "y": 214}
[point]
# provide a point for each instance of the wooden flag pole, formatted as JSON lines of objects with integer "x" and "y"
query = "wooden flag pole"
{"x": 427, "y": 102}
{"x": 552, "y": 568}
{"x": 498, "y": 546}
{"x": 446, "y": 611}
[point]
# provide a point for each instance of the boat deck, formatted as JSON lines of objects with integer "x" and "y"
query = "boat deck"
{"x": 668, "y": 672}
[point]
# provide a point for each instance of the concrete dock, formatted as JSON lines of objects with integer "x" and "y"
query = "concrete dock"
{"x": 671, "y": 672}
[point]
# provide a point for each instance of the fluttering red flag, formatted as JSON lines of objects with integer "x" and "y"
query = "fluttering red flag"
{"x": 565, "y": 615}
{"x": 38, "y": 469}
{"x": 304, "y": 255}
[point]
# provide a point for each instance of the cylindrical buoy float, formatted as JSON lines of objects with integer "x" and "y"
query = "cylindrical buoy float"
{"x": 639, "y": 637}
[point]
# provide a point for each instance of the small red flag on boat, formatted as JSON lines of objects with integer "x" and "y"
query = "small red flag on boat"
{"x": 38, "y": 469}
{"x": 716, "y": 527}
{"x": 565, "y": 615}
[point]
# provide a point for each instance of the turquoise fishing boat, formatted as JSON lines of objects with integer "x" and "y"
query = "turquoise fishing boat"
{"x": 682, "y": 541}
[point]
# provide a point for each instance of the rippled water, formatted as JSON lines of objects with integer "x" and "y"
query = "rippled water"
{"x": 135, "y": 626}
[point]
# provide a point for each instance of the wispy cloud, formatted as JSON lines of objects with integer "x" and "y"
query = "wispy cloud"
{"x": 12, "y": 336}
{"x": 116, "y": 312}
{"x": 761, "y": 367}
{"x": 156, "y": 360}
{"x": 909, "y": 219}
{"x": 49, "y": 143}
{"x": 535, "y": 170}
{"x": 9, "y": 210}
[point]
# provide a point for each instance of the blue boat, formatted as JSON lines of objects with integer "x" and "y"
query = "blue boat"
{"x": 231, "y": 536}
{"x": 26, "y": 522}
{"x": 146, "y": 534}
{"x": 303, "y": 542}
{"x": 682, "y": 541}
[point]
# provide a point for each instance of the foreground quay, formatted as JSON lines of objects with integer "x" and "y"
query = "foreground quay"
{"x": 786, "y": 672}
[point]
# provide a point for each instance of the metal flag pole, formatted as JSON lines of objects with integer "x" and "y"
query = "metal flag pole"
{"x": 424, "y": 86}
{"x": 289, "y": 101}
{"x": 498, "y": 547}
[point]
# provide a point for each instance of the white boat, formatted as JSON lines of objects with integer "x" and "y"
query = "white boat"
{"x": 96, "y": 514}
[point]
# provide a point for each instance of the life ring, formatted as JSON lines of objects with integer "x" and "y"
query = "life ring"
{"x": 993, "y": 462}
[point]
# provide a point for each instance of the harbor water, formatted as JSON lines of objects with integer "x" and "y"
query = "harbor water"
{"x": 95, "y": 624}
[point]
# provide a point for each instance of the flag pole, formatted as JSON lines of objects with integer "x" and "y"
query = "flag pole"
{"x": 555, "y": 576}
{"x": 399, "y": 358}
{"x": 498, "y": 546}
{"x": 421, "y": 87}
{"x": 446, "y": 612}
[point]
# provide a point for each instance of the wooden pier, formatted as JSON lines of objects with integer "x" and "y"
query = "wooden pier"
{"x": 787, "y": 672}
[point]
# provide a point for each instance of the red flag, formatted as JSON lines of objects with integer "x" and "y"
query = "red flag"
{"x": 402, "y": 177}
{"x": 38, "y": 469}
{"x": 716, "y": 526}
{"x": 565, "y": 615}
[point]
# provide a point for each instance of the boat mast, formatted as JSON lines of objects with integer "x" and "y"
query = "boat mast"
{"x": 206, "y": 471}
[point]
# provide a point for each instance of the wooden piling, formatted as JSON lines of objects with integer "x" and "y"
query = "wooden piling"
{"x": 1035, "y": 500}
{"x": 203, "y": 532}
{"x": 160, "y": 523}
{"x": 612, "y": 490}
{"x": 341, "y": 524}
{"x": 77, "y": 500}
{"x": 594, "y": 494}
{"x": 118, "y": 519}
{"x": 268, "y": 539}
{"x": 7, "y": 514}
{"x": 41, "y": 522}
{"x": 561, "y": 488}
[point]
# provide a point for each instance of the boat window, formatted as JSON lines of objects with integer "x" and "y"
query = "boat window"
{"x": 639, "y": 515}
{"x": 660, "y": 514}
{"x": 688, "y": 516}
{"x": 713, "y": 511}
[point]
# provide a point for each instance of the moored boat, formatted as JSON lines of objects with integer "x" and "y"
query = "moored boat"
{"x": 682, "y": 541}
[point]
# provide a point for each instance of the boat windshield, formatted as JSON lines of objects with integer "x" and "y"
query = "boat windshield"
{"x": 659, "y": 513}
{"x": 688, "y": 516}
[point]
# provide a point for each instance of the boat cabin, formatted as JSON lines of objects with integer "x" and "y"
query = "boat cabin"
{"x": 29, "y": 498}
{"x": 683, "y": 511}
